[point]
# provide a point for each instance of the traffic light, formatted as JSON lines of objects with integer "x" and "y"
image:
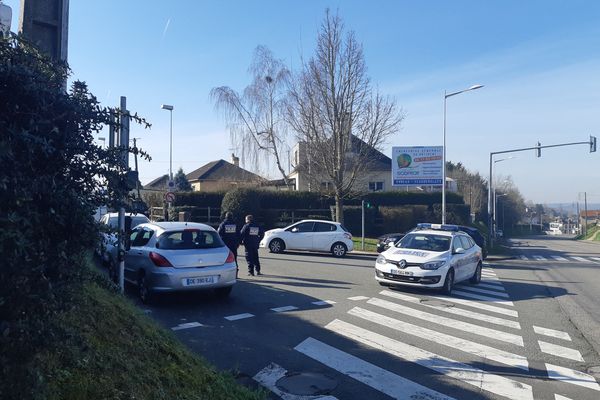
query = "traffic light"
{"x": 592, "y": 144}
{"x": 367, "y": 205}
{"x": 539, "y": 150}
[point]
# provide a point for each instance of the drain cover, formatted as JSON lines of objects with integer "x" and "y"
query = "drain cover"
{"x": 437, "y": 303}
{"x": 595, "y": 371}
{"x": 306, "y": 383}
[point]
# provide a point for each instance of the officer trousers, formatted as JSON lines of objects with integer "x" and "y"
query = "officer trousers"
{"x": 252, "y": 260}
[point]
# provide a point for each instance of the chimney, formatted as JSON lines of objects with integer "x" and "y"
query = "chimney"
{"x": 235, "y": 160}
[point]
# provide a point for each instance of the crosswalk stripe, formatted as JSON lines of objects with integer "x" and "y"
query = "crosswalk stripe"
{"x": 239, "y": 316}
{"x": 559, "y": 397}
{"x": 357, "y": 298}
{"x": 524, "y": 258}
{"x": 483, "y": 298}
{"x": 494, "y": 286}
{"x": 479, "y": 350}
{"x": 560, "y": 351}
{"x": 492, "y": 383}
{"x": 449, "y": 322}
{"x": 489, "y": 278}
{"x": 579, "y": 259}
{"x": 456, "y": 311}
{"x": 472, "y": 288}
{"x": 269, "y": 376}
{"x": 283, "y": 309}
{"x": 378, "y": 378}
{"x": 492, "y": 273}
{"x": 323, "y": 303}
{"x": 187, "y": 325}
{"x": 481, "y": 306}
{"x": 539, "y": 258}
{"x": 571, "y": 376}
{"x": 559, "y": 258}
{"x": 552, "y": 333}
{"x": 597, "y": 259}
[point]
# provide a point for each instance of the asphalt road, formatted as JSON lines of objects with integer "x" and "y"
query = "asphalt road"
{"x": 325, "y": 326}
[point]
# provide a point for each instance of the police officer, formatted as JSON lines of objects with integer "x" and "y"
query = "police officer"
{"x": 228, "y": 231}
{"x": 251, "y": 235}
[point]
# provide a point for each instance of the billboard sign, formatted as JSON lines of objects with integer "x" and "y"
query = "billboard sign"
{"x": 417, "y": 165}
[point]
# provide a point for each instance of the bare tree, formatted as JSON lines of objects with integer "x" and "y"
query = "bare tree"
{"x": 336, "y": 114}
{"x": 255, "y": 118}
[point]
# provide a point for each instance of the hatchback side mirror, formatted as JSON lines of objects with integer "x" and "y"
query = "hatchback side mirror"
{"x": 460, "y": 250}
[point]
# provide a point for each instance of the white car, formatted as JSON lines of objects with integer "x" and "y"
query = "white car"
{"x": 312, "y": 235}
{"x": 431, "y": 256}
{"x": 110, "y": 226}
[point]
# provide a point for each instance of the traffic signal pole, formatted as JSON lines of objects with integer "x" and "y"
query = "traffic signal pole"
{"x": 362, "y": 209}
{"x": 538, "y": 149}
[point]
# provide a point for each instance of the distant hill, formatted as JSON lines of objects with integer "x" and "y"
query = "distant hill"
{"x": 571, "y": 208}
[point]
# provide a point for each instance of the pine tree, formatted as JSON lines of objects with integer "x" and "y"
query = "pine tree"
{"x": 181, "y": 182}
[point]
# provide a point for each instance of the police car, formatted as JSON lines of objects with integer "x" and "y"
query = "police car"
{"x": 432, "y": 256}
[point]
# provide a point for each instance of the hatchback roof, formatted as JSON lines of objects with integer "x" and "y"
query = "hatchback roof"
{"x": 318, "y": 220}
{"x": 174, "y": 225}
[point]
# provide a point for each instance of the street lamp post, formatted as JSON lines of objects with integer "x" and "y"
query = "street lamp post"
{"x": 446, "y": 95}
{"x": 496, "y": 196}
{"x": 170, "y": 108}
{"x": 492, "y": 216}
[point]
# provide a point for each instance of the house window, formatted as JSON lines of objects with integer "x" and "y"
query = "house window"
{"x": 326, "y": 186}
{"x": 375, "y": 186}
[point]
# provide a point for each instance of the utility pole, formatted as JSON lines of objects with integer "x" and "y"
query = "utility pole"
{"x": 45, "y": 23}
{"x": 362, "y": 209}
{"x": 124, "y": 146}
{"x": 586, "y": 212}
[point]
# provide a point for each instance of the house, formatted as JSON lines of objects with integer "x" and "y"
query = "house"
{"x": 158, "y": 183}
{"x": 220, "y": 176}
{"x": 377, "y": 178}
{"x": 589, "y": 216}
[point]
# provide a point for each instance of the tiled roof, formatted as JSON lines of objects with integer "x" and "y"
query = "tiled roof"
{"x": 158, "y": 182}
{"x": 222, "y": 170}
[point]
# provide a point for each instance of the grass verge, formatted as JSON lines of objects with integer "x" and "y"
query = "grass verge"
{"x": 370, "y": 244}
{"x": 111, "y": 350}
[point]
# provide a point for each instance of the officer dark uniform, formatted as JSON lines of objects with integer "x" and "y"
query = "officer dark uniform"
{"x": 251, "y": 235}
{"x": 229, "y": 232}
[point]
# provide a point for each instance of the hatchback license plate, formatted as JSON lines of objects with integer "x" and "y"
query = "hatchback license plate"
{"x": 400, "y": 272}
{"x": 205, "y": 280}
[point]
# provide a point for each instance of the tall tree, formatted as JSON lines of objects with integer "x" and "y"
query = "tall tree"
{"x": 181, "y": 182}
{"x": 336, "y": 113}
{"x": 472, "y": 186}
{"x": 256, "y": 117}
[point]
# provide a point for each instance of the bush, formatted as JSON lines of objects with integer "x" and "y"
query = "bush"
{"x": 241, "y": 202}
{"x": 199, "y": 199}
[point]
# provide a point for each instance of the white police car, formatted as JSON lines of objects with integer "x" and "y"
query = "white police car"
{"x": 432, "y": 256}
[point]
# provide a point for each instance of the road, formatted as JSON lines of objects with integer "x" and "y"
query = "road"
{"x": 528, "y": 331}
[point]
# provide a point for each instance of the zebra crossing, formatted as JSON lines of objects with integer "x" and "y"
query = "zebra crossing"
{"x": 562, "y": 258}
{"x": 476, "y": 333}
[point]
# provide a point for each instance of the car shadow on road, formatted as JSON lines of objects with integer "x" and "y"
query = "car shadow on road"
{"x": 305, "y": 257}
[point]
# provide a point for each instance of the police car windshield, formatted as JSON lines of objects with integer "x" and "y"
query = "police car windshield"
{"x": 425, "y": 241}
{"x": 189, "y": 239}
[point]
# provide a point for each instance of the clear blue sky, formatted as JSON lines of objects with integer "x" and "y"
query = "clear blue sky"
{"x": 539, "y": 62}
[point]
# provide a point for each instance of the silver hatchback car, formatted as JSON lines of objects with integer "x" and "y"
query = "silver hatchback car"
{"x": 178, "y": 256}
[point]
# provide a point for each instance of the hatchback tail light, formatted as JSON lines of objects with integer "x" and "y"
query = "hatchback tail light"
{"x": 230, "y": 258}
{"x": 348, "y": 236}
{"x": 159, "y": 260}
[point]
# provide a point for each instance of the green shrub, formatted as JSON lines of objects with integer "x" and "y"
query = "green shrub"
{"x": 242, "y": 202}
{"x": 199, "y": 199}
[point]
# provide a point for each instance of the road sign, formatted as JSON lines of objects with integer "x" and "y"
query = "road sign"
{"x": 169, "y": 197}
{"x": 171, "y": 185}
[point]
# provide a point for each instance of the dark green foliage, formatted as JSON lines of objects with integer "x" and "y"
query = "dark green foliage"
{"x": 53, "y": 178}
{"x": 199, "y": 199}
{"x": 293, "y": 200}
{"x": 242, "y": 202}
{"x": 407, "y": 198}
{"x": 181, "y": 182}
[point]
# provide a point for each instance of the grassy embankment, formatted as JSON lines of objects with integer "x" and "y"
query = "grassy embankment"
{"x": 593, "y": 233}
{"x": 370, "y": 244}
{"x": 114, "y": 351}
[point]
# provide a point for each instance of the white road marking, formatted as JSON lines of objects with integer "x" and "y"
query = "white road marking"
{"x": 479, "y": 350}
{"x": 552, "y": 333}
{"x": 524, "y": 258}
{"x": 449, "y": 322}
{"x": 239, "y": 316}
{"x": 269, "y": 376}
{"x": 579, "y": 259}
{"x": 559, "y": 258}
{"x": 378, "y": 378}
{"x": 539, "y": 258}
{"x": 187, "y": 325}
{"x": 597, "y": 259}
{"x": 490, "y": 279}
{"x": 456, "y": 311}
{"x": 358, "y": 298}
{"x": 283, "y": 309}
{"x": 571, "y": 376}
{"x": 483, "y": 298}
{"x": 494, "y": 286}
{"x": 481, "y": 306}
{"x": 559, "y": 397}
{"x": 463, "y": 372}
{"x": 488, "y": 273}
{"x": 323, "y": 302}
{"x": 560, "y": 351}
{"x": 487, "y": 270}
{"x": 484, "y": 291}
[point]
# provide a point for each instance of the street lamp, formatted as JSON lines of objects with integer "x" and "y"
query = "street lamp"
{"x": 496, "y": 197}
{"x": 170, "y": 108}
{"x": 446, "y": 95}
{"x": 491, "y": 196}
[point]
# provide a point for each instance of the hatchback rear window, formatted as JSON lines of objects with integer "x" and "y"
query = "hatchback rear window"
{"x": 189, "y": 239}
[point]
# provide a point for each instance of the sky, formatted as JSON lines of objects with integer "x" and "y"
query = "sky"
{"x": 539, "y": 62}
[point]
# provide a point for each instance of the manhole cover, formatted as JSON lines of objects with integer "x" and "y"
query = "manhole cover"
{"x": 306, "y": 383}
{"x": 595, "y": 371}
{"x": 437, "y": 303}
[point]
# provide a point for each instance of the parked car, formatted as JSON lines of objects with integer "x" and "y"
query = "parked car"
{"x": 177, "y": 256}
{"x": 312, "y": 235}
{"x": 384, "y": 241}
{"x": 431, "y": 256}
{"x": 109, "y": 226}
{"x": 477, "y": 237}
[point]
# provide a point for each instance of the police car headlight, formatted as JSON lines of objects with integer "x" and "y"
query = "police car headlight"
{"x": 381, "y": 260}
{"x": 433, "y": 265}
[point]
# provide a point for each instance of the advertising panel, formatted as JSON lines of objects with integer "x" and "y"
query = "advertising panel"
{"x": 417, "y": 165}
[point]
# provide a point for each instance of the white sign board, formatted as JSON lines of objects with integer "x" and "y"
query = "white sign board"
{"x": 417, "y": 165}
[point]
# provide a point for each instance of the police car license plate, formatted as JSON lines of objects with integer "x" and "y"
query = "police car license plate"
{"x": 400, "y": 272}
{"x": 205, "y": 280}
